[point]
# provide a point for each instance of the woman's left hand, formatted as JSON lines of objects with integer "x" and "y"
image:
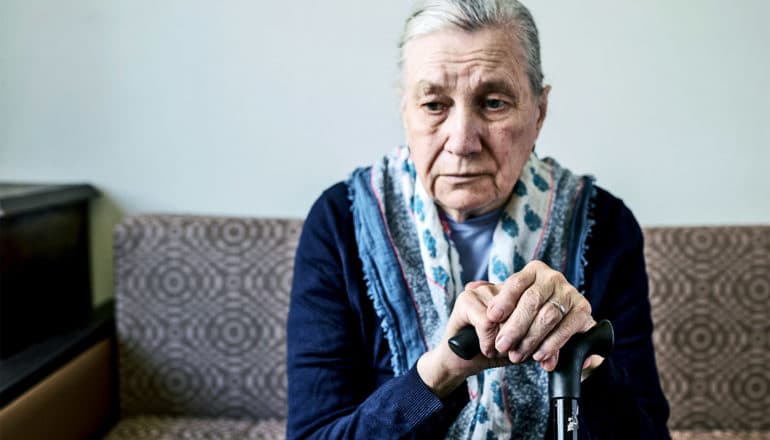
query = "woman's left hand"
{"x": 538, "y": 310}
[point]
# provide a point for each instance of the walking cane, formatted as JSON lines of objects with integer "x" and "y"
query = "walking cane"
{"x": 564, "y": 380}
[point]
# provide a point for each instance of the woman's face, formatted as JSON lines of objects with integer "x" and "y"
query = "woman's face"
{"x": 470, "y": 117}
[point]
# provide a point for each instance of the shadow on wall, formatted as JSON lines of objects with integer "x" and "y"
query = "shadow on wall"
{"x": 104, "y": 215}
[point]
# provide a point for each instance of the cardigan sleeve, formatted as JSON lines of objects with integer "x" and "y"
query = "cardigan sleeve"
{"x": 623, "y": 397}
{"x": 336, "y": 387}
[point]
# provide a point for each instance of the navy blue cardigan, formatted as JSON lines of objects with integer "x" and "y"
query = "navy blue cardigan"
{"x": 340, "y": 380}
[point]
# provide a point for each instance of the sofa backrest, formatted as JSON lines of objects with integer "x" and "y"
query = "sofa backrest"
{"x": 201, "y": 306}
{"x": 710, "y": 295}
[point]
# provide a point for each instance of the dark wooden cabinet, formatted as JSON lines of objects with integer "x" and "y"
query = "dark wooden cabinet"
{"x": 45, "y": 285}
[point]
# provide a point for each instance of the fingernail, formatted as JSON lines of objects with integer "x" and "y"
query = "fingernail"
{"x": 495, "y": 313}
{"x": 502, "y": 343}
{"x": 515, "y": 356}
{"x": 539, "y": 355}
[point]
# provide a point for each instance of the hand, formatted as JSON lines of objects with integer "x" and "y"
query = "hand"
{"x": 513, "y": 320}
{"x": 537, "y": 310}
{"x": 440, "y": 368}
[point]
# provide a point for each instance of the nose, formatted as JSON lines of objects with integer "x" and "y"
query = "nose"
{"x": 463, "y": 135}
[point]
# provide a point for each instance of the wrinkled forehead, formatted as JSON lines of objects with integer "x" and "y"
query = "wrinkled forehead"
{"x": 489, "y": 58}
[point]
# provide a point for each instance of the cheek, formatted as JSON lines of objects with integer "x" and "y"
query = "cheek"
{"x": 424, "y": 147}
{"x": 421, "y": 155}
{"x": 511, "y": 153}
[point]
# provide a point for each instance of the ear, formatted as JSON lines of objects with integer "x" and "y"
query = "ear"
{"x": 542, "y": 106}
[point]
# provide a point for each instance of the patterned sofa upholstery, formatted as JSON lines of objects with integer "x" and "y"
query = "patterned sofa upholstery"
{"x": 201, "y": 305}
{"x": 710, "y": 294}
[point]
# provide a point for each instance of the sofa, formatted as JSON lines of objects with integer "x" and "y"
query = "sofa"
{"x": 201, "y": 305}
{"x": 710, "y": 296}
{"x": 201, "y": 302}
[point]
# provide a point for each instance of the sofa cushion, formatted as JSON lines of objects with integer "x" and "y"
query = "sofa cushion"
{"x": 173, "y": 428}
{"x": 720, "y": 435}
{"x": 201, "y": 305}
{"x": 710, "y": 295}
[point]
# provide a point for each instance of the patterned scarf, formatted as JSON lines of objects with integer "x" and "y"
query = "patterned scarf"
{"x": 413, "y": 275}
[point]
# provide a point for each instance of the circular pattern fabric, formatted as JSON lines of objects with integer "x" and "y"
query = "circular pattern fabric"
{"x": 201, "y": 306}
{"x": 710, "y": 297}
{"x": 164, "y": 428}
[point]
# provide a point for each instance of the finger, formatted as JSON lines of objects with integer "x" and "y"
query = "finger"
{"x": 553, "y": 311}
{"x": 484, "y": 291}
{"x": 471, "y": 308}
{"x": 521, "y": 319}
{"x": 548, "y": 317}
{"x": 486, "y": 331}
{"x": 591, "y": 363}
{"x": 508, "y": 296}
{"x": 474, "y": 284}
{"x": 549, "y": 363}
{"x": 577, "y": 320}
{"x": 467, "y": 307}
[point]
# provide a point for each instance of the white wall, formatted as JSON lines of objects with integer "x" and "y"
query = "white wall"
{"x": 252, "y": 108}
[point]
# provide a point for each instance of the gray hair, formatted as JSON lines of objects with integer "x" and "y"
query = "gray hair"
{"x": 472, "y": 15}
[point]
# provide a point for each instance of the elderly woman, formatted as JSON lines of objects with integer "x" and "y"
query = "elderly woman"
{"x": 466, "y": 225}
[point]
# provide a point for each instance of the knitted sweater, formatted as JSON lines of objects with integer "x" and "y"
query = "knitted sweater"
{"x": 340, "y": 380}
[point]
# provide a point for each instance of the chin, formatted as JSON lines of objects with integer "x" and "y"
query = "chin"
{"x": 470, "y": 203}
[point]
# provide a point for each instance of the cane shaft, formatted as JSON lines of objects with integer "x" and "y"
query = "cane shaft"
{"x": 566, "y": 418}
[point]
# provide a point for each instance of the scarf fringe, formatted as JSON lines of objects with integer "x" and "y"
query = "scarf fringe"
{"x": 397, "y": 357}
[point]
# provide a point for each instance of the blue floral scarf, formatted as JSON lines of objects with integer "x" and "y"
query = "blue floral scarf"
{"x": 413, "y": 274}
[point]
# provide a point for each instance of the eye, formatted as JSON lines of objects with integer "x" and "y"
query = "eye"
{"x": 434, "y": 107}
{"x": 494, "y": 104}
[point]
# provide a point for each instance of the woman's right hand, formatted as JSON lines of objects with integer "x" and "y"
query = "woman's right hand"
{"x": 440, "y": 368}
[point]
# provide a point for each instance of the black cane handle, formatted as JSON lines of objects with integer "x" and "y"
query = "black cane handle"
{"x": 465, "y": 343}
{"x": 564, "y": 380}
{"x": 598, "y": 340}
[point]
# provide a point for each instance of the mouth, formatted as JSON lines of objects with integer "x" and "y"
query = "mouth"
{"x": 461, "y": 178}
